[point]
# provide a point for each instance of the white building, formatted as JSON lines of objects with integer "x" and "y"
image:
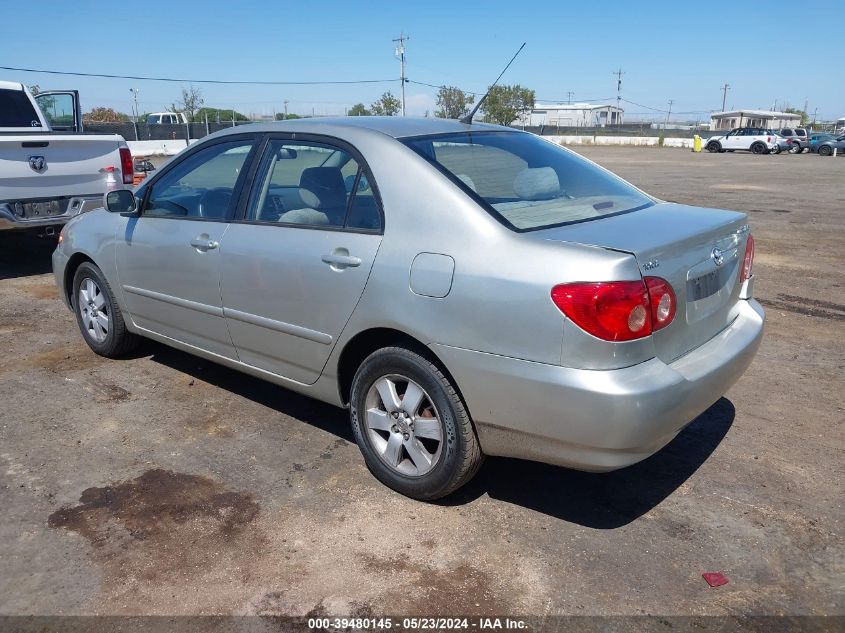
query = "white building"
{"x": 753, "y": 118}
{"x": 572, "y": 115}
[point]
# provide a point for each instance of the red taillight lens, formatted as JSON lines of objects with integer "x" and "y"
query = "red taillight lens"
{"x": 662, "y": 299}
{"x": 612, "y": 310}
{"x": 748, "y": 261}
{"x": 127, "y": 166}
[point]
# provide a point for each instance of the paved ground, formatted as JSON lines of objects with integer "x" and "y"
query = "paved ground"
{"x": 166, "y": 484}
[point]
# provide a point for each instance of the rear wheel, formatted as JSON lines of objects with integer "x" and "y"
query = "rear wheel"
{"x": 758, "y": 148}
{"x": 411, "y": 425}
{"x": 714, "y": 146}
{"x": 825, "y": 150}
{"x": 98, "y": 315}
{"x": 795, "y": 149}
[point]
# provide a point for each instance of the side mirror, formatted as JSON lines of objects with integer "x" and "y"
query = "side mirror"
{"x": 120, "y": 201}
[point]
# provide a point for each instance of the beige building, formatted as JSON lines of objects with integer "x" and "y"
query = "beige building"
{"x": 753, "y": 118}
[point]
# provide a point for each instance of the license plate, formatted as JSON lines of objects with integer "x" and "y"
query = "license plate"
{"x": 704, "y": 286}
{"x": 46, "y": 209}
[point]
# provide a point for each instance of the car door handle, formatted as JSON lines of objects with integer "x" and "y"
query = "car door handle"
{"x": 339, "y": 260}
{"x": 204, "y": 244}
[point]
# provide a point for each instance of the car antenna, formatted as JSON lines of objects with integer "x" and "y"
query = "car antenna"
{"x": 468, "y": 118}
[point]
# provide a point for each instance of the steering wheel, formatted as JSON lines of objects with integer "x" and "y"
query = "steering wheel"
{"x": 214, "y": 203}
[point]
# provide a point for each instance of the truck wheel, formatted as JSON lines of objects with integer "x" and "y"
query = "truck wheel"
{"x": 714, "y": 146}
{"x": 98, "y": 315}
{"x": 411, "y": 425}
{"x": 758, "y": 148}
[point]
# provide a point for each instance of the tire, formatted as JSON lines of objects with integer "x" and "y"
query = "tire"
{"x": 825, "y": 150}
{"x": 776, "y": 149}
{"x": 446, "y": 463}
{"x": 714, "y": 146}
{"x": 98, "y": 315}
{"x": 795, "y": 149}
{"x": 801, "y": 149}
{"x": 758, "y": 148}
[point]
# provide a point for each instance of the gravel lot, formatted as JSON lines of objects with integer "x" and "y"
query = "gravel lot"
{"x": 164, "y": 484}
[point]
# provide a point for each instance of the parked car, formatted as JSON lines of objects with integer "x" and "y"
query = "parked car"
{"x": 465, "y": 290}
{"x": 782, "y": 144}
{"x": 798, "y": 138}
{"x": 815, "y": 139}
{"x": 48, "y": 171}
{"x": 755, "y": 140}
{"x": 825, "y": 148}
{"x": 167, "y": 118}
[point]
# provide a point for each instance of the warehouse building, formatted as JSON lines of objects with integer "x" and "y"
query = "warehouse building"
{"x": 753, "y": 118}
{"x": 572, "y": 115}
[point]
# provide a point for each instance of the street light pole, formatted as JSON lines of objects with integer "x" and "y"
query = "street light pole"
{"x": 400, "y": 53}
{"x": 135, "y": 92}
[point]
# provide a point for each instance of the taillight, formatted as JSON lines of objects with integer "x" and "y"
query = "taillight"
{"x": 662, "y": 299}
{"x": 617, "y": 310}
{"x": 612, "y": 310}
{"x": 748, "y": 260}
{"x": 126, "y": 166}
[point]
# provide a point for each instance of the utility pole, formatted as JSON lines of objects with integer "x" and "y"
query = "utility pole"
{"x": 618, "y": 74}
{"x": 135, "y": 92}
{"x": 725, "y": 89}
{"x": 668, "y": 114}
{"x": 815, "y": 110}
{"x": 286, "y": 109}
{"x": 569, "y": 95}
{"x": 400, "y": 54}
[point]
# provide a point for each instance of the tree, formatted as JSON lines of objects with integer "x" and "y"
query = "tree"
{"x": 359, "y": 109}
{"x": 452, "y": 103}
{"x": 804, "y": 116}
{"x": 104, "y": 115}
{"x": 190, "y": 103}
{"x": 217, "y": 115}
{"x": 281, "y": 116}
{"x": 504, "y": 104}
{"x": 387, "y": 105}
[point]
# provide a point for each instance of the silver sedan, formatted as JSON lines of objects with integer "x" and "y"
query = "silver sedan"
{"x": 464, "y": 289}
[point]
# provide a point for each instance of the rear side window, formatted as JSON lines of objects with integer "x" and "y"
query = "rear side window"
{"x": 16, "y": 110}
{"x": 800, "y": 132}
{"x": 786, "y": 131}
{"x": 526, "y": 182}
{"x": 312, "y": 184}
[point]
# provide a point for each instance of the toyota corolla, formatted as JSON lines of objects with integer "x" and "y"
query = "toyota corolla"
{"x": 464, "y": 289}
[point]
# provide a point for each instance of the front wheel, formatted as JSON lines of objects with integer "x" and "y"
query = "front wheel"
{"x": 825, "y": 150}
{"x": 411, "y": 425}
{"x": 776, "y": 149}
{"x": 758, "y": 148}
{"x": 98, "y": 315}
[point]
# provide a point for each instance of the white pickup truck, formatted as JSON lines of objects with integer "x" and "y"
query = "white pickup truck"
{"x": 49, "y": 170}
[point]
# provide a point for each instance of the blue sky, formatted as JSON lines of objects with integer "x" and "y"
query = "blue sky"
{"x": 682, "y": 51}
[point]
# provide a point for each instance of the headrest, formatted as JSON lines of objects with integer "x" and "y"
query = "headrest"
{"x": 540, "y": 183}
{"x": 325, "y": 186}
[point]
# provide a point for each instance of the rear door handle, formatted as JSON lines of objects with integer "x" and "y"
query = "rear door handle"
{"x": 340, "y": 260}
{"x": 204, "y": 243}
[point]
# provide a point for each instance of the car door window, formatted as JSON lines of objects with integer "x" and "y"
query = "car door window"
{"x": 311, "y": 184}
{"x": 202, "y": 185}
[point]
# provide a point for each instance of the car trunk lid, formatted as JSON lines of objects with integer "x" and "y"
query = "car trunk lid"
{"x": 698, "y": 251}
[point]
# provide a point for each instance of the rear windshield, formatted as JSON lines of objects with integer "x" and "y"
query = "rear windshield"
{"x": 16, "y": 110}
{"x": 528, "y": 183}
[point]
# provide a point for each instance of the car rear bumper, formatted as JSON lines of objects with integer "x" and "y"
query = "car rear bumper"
{"x": 598, "y": 420}
{"x": 10, "y": 220}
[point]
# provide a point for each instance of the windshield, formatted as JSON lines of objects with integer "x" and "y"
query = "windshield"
{"x": 528, "y": 183}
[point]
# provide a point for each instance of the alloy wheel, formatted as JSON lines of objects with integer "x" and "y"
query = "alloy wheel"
{"x": 94, "y": 310}
{"x": 403, "y": 425}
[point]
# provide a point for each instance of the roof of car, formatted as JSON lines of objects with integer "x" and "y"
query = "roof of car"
{"x": 395, "y": 126}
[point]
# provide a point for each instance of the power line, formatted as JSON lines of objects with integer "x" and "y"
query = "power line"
{"x": 200, "y": 81}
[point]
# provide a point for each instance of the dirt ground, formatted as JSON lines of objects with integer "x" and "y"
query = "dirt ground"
{"x": 164, "y": 484}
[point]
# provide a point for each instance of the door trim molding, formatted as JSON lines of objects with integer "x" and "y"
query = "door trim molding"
{"x": 279, "y": 326}
{"x": 182, "y": 303}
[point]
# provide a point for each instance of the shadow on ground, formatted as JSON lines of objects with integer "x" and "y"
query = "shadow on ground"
{"x": 594, "y": 500}
{"x": 23, "y": 254}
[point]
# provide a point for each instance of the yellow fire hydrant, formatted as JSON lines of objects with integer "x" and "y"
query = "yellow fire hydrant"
{"x": 696, "y": 143}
